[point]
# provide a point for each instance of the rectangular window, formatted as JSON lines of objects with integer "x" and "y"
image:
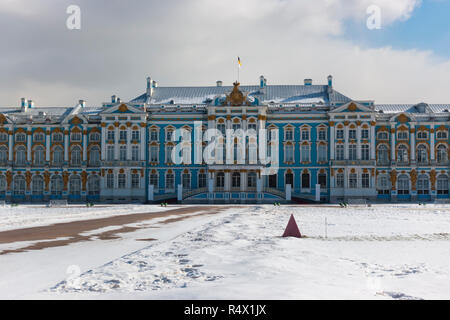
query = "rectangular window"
{"x": 305, "y": 153}
{"x": 340, "y": 180}
{"x": 123, "y": 153}
{"x": 135, "y": 153}
{"x": 322, "y": 153}
{"x": 340, "y": 134}
{"x": 110, "y": 181}
{"x": 365, "y": 180}
{"x": 352, "y": 134}
{"x": 111, "y": 135}
{"x": 202, "y": 180}
{"x": 352, "y": 152}
{"x": 322, "y": 135}
{"x": 365, "y": 134}
{"x": 353, "y": 181}
{"x": 121, "y": 181}
{"x": 135, "y": 135}
{"x": 135, "y": 181}
{"x": 340, "y": 152}
{"x": 110, "y": 153}
{"x": 123, "y": 135}
{"x": 305, "y": 134}
{"x": 365, "y": 152}
{"x": 154, "y": 135}
{"x": 289, "y": 135}
{"x": 153, "y": 154}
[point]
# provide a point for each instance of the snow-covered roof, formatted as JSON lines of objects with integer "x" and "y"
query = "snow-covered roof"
{"x": 273, "y": 93}
{"x": 411, "y": 108}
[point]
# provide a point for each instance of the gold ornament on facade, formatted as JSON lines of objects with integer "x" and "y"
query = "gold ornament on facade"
{"x": 433, "y": 179}
{"x": 123, "y": 108}
{"x": 47, "y": 180}
{"x": 393, "y": 179}
{"x": 9, "y": 178}
{"x": 352, "y": 107}
{"x": 236, "y": 97}
{"x": 65, "y": 177}
{"x": 402, "y": 118}
{"x": 413, "y": 175}
{"x": 84, "y": 176}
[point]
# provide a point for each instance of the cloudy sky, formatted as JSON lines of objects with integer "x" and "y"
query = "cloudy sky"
{"x": 196, "y": 42}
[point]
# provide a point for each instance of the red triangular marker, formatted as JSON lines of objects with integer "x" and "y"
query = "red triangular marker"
{"x": 292, "y": 229}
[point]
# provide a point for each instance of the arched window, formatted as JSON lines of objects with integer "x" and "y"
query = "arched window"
{"x": 3, "y": 155}
{"x": 236, "y": 180}
{"x": 21, "y": 137}
{"x": 3, "y": 137}
{"x": 340, "y": 180}
{"x": 39, "y": 156}
{"x": 322, "y": 180}
{"x": 220, "y": 180}
{"x": 75, "y": 158}
{"x": 442, "y": 184}
{"x": 19, "y": 185}
{"x": 57, "y": 156}
{"x": 154, "y": 180}
{"x": 289, "y": 179}
{"x": 56, "y": 185}
{"x": 2, "y": 183}
{"x": 422, "y": 155}
{"x": 75, "y": 185}
{"x": 383, "y": 154}
{"x": 353, "y": 181}
{"x": 402, "y": 154}
{"x": 94, "y": 185}
{"x": 382, "y": 135}
{"x": 21, "y": 155}
{"x": 441, "y": 154}
{"x": 202, "y": 180}
{"x": 403, "y": 184}
{"x": 37, "y": 185}
{"x": 423, "y": 184}
{"x": 94, "y": 156}
{"x": 306, "y": 180}
{"x": 39, "y": 137}
{"x": 170, "y": 181}
{"x": 186, "y": 180}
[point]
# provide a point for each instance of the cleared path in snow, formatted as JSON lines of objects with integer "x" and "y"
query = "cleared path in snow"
{"x": 109, "y": 228}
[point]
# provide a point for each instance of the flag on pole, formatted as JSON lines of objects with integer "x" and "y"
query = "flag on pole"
{"x": 239, "y": 62}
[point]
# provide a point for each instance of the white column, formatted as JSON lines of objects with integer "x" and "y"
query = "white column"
{"x": 84, "y": 144}
{"x": 332, "y": 142}
{"x": 128, "y": 144}
{"x": 227, "y": 181}
{"x": 358, "y": 142}
{"x": 29, "y": 137}
{"x": 243, "y": 181}
{"x": 103, "y": 145}
{"x": 372, "y": 142}
{"x": 346, "y": 143}
{"x": 66, "y": 144}
{"x": 47, "y": 146}
{"x": 116, "y": 143}
{"x": 11, "y": 144}
{"x": 143, "y": 142}
{"x": 432, "y": 142}
{"x": 392, "y": 143}
{"x": 412, "y": 137}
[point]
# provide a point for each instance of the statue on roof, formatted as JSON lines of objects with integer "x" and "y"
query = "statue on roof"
{"x": 236, "y": 97}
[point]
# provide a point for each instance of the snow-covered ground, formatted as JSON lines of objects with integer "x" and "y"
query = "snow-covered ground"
{"x": 378, "y": 252}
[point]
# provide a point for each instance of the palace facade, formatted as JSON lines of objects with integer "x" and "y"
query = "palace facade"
{"x": 328, "y": 144}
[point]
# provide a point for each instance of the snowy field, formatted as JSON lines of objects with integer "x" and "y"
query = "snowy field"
{"x": 378, "y": 252}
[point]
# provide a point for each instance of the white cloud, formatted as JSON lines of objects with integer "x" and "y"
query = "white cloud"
{"x": 196, "y": 42}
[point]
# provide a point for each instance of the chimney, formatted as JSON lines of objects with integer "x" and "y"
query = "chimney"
{"x": 261, "y": 82}
{"x": 30, "y": 104}
{"x": 155, "y": 84}
{"x": 113, "y": 99}
{"x": 330, "y": 84}
{"x": 149, "y": 86}
{"x": 308, "y": 82}
{"x": 118, "y": 100}
{"x": 23, "y": 105}
{"x": 219, "y": 83}
{"x": 330, "y": 81}
{"x": 82, "y": 103}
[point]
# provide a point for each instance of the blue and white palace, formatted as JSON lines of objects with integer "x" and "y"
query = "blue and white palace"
{"x": 329, "y": 147}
